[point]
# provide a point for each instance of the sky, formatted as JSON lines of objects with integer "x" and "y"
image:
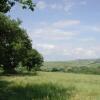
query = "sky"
{"x": 62, "y": 30}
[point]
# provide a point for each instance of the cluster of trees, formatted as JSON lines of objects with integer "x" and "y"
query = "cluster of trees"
{"x": 15, "y": 45}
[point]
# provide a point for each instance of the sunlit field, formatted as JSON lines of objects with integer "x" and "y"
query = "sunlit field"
{"x": 50, "y": 86}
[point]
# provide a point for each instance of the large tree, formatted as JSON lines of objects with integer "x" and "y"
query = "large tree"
{"x": 6, "y": 5}
{"x": 14, "y": 43}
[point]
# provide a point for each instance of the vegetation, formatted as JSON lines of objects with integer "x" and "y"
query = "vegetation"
{"x": 50, "y": 86}
{"x": 17, "y": 54}
{"x": 77, "y": 66}
{"x": 33, "y": 60}
{"x": 14, "y": 43}
{"x": 6, "y": 5}
{"x": 15, "y": 46}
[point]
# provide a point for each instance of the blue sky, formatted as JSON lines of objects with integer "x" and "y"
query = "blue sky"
{"x": 63, "y": 29}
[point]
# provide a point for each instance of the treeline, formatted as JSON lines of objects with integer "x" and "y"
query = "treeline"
{"x": 82, "y": 69}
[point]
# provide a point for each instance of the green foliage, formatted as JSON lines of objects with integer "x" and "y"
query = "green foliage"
{"x": 16, "y": 47}
{"x": 57, "y": 70}
{"x": 33, "y": 60}
{"x": 6, "y": 5}
{"x": 77, "y": 66}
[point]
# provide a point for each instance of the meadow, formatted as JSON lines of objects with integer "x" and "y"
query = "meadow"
{"x": 50, "y": 86}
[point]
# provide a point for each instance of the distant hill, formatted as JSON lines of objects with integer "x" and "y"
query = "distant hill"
{"x": 76, "y": 63}
{"x": 87, "y": 65}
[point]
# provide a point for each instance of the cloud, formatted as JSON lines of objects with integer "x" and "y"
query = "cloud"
{"x": 65, "y": 23}
{"x": 46, "y": 49}
{"x": 96, "y": 28}
{"x": 45, "y": 46}
{"x": 57, "y": 51}
{"x": 68, "y": 6}
{"x": 83, "y": 52}
{"x": 88, "y": 40}
{"x": 65, "y": 5}
{"x": 56, "y": 6}
{"x": 53, "y": 32}
{"x": 55, "y": 41}
{"x": 41, "y": 5}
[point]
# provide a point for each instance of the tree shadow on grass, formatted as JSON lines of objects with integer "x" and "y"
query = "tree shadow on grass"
{"x": 20, "y": 74}
{"x": 34, "y": 92}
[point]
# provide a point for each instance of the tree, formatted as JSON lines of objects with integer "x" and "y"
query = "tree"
{"x": 14, "y": 43}
{"x": 6, "y": 5}
{"x": 34, "y": 60}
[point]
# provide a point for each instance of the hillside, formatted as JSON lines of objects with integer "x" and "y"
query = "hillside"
{"x": 73, "y": 66}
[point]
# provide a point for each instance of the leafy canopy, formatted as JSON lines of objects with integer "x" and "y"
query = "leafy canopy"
{"x": 14, "y": 42}
{"x": 16, "y": 47}
{"x": 6, "y": 5}
{"x": 34, "y": 60}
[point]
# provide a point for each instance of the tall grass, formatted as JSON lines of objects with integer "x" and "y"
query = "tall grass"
{"x": 50, "y": 86}
{"x": 42, "y": 91}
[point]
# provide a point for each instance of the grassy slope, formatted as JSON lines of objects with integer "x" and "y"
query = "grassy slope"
{"x": 84, "y": 87}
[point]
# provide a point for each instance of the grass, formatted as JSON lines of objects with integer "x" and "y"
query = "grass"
{"x": 50, "y": 86}
{"x": 34, "y": 92}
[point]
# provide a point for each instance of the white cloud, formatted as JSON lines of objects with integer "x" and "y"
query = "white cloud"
{"x": 84, "y": 52}
{"x": 81, "y": 52}
{"x": 96, "y": 29}
{"x": 56, "y": 6}
{"x": 46, "y": 49}
{"x": 65, "y": 5}
{"x": 64, "y": 23}
{"x": 45, "y": 46}
{"x": 68, "y": 7}
{"x": 41, "y": 5}
{"x": 53, "y": 33}
{"x": 89, "y": 39}
{"x": 53, "y": 40}
{"x": 68, "y": 52}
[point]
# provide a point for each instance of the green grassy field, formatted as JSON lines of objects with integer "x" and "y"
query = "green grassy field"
{"x": 50, "y": 86}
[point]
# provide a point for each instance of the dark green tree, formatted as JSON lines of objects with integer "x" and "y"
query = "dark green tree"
{"x": 14, "y": 43}
{"x": 34, "y": 60}
{"x": 6, "y": 5}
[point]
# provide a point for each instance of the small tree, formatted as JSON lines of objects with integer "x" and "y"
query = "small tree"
{"x": 34, "y": 60}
